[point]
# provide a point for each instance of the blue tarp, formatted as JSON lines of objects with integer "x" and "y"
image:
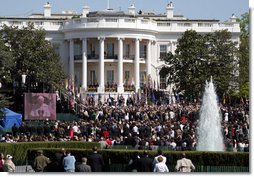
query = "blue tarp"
{"x": 10, "y": 118}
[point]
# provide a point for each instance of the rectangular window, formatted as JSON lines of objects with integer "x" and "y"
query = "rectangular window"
{"x": 126, "y": 77}
{"x": 76, "y": 79}
{"x": 143, "y": 51}
{"x": 127, "y": 51}
{"x": 92, "y": 50}
{"x": 77, "y": 51}
{"x": 163, "y": 84}
{"x": 110, "y": 50}
{"x": 92, "y": 77}
{"x": 142, "y": 78}
{"x": 163, "y": 51}
{"x": 56, "y": 49}
{"x": 110, "y": 76}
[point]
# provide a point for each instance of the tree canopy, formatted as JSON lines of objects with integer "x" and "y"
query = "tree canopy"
{"x": 244, "y": 54}
{"x": 197, "y": 58}
{"x": 33, "y": 56}
{"x": 6, "y": 64}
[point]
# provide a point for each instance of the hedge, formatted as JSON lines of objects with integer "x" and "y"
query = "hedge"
{"x": 122, "y": 157}
{"x": 19, "y": 150}
{"x": 80, "y": 149}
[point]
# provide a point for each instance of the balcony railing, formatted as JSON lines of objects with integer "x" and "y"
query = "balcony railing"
{"x": 77, "y": 57}
{"x": 111, "y": 88}
{"x": 92, "y": 88}
{"x": 129, "y": 88}
{"x": 111, "y": 56}
{"x": 128, "y": 57}
{"x": 92, "y": 56}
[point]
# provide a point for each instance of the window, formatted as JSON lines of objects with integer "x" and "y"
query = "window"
{"x": 76, "y": 79}
{"x": 56, "y": 49}
{"x": 77, "y": 51}
{"x": 163, "y": 24}
{"x": 92, "y": 49}
{"x": 110, "y": 76}
{"x": 110, "y": 50}
{"x": 143, "y": 51}
{"x": 126, "y": 76}
{"x": 92, "y": 77}
{"x": 163, "y": 84}
{"x": 163, "y": 51}
{"x": 142, "y": 78}
{"x": 127, "y": 51}
{"x": 184, "y": 24}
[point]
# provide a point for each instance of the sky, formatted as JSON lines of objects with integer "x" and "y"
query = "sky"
{"x": 192, "y": 9}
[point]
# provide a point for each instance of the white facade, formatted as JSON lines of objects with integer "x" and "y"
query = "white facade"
{"x": 114, "y": 47}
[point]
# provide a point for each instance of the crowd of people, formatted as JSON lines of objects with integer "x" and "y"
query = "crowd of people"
{"x": 172, "y": 126}
{"x": 127, "y": 124}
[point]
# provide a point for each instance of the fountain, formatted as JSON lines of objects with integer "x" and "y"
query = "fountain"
{"x": 209, "y": 131}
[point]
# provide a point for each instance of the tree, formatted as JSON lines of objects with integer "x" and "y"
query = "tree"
{"x": 6, "y": 64}
{"x": 222, "y": 61}
{"x": 185, "y": 65}
{"x": 244, "y": 50}
{"x": 197, "y": 58}
{"x": 33, "y": 56}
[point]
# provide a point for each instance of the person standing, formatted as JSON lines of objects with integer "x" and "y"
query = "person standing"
{"x": 59, "y": 156}
{"x": 95, "y": 160}
{"x": 69, "y": 162}
{"x": 15, "y": 130}
{"x": 133, "y": 164}
{"x": 184, "y": 164}
{"x": 83, "y": 167}
{"x": 9, "y": 166}
{"x": 1, "y": 162}
{"x": 145, "y": 164}
{"x": 160, "y": 166}
{"x": 160, "y": 154}
{"x": 40, "y": 162}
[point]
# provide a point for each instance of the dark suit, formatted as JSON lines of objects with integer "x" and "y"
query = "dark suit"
{"x": 83, "y": 168}
{"x": 59, "y": 161}
{"x": 145, "y": 164}
{"x": 96, "y": 162}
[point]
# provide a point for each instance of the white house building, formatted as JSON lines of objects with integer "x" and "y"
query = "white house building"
{"x": 107, "y": 51}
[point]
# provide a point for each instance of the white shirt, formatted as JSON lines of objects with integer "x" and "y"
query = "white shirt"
{"x": 184, "y": 165}
{"x": 160, "y": 167}
{"x": 171, "y": 115}
{"x": 135, "y": 129}
{"x": 75, "y": 129}
{"x": 226, "y": 117}
{"x": 155, "y": 161}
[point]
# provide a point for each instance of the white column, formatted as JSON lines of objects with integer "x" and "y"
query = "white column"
{"x": 71, "y": 64}
{"x": 148, "y": 59}
{"x": 84, "y": 64}
{"x": 120, "y": 88}
{"x": 136, "y": 65}
{"x": 101, "y": 66}
{"x": 158, "y": 78}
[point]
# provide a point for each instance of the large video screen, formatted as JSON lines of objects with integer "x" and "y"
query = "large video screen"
{"x": 40, "y": 106}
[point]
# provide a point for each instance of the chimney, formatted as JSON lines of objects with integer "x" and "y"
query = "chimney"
{"x": 233, "y": 18}
{"x": 169, "y": 10}
{"x": 85, "y": 11}
{"x": 131, "y": 10}
{"x": 47, "y": 10}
